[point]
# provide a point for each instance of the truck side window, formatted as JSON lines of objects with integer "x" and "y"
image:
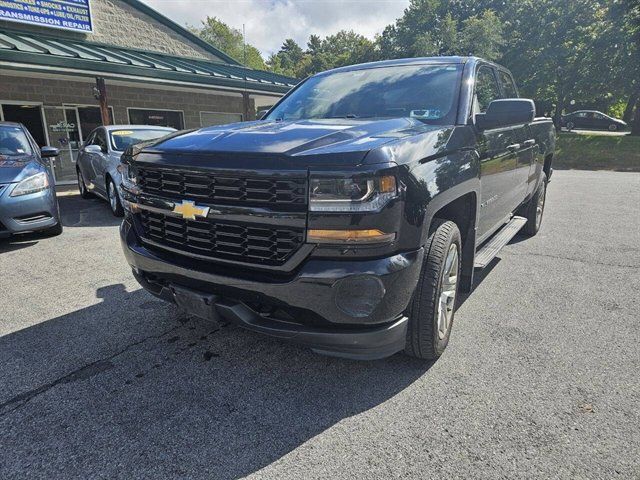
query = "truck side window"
{"x": 486, "y": 90}
{"x": 508, "y": 88}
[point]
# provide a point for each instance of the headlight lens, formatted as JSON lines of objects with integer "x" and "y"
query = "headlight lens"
{"x": 358, "y": 194}
{"x": 32, "y": 184}
{"x": 128, "y": 174}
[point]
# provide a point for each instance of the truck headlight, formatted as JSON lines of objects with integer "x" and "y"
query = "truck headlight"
{"x": 32, "y": 184}
{"x": 357, "y": 194}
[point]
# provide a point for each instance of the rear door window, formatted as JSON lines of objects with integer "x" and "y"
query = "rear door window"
{"x": 508, "y": 87}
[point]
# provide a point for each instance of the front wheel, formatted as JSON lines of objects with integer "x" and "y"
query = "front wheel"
{"x": 84, "y": 193}
{"x": 433, "y": 305}
{"x": 114, "y": 199}
{"x": 570, "y": 126}
{"x": 613, "y": 127}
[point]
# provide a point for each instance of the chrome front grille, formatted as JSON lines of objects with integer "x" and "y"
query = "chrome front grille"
{"x": 248, "y": 243}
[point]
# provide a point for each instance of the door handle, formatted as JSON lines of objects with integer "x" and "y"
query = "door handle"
{"x": 514, "y": 147}
{"x": 529, "y": 143}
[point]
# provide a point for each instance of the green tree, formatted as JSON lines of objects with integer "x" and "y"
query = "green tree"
{"x": 230, "y": 40}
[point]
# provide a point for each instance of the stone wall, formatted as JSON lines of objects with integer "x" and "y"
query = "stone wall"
{"x": 117, "y": 23}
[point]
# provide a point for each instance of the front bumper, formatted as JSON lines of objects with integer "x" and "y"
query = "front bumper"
{"x": 311, "y": 294}
{"x": 27, "y": 213}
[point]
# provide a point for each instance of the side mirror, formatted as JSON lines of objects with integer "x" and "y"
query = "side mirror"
{"x": 48, "y": 152}
{"x": 505, "y": 113}
{"x": 93, "y": 149}
{"x": 261, "y": 113}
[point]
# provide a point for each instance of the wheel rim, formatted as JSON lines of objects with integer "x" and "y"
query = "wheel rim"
{"x": 540, "y": 207}
{"x": 80, "y": 182}
{"x": 448, "y": 293}
{"x": 570, "y": 126}
{"x": 612, "y": 128}
{"x": 113, "y": 198}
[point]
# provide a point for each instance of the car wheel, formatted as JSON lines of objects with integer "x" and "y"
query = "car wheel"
{"x": 433, "y": 305}
{"x": 613, "y": 127}
{"x": 114, "y": 199}
{"x": 570, "y": 126}
{"x": 84, "y": 193}
{"x": 534, "y": 209}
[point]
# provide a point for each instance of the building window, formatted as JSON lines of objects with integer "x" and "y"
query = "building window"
{"x": 159, "y": 118}
{"x": 218, "y": 118}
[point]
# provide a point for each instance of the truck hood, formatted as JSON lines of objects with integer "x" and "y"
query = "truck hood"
{"x": 13, "y": 169}
{"x": 299, "y": 143}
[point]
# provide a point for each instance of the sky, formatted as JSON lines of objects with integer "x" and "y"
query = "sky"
{"x": 269, "y": 22}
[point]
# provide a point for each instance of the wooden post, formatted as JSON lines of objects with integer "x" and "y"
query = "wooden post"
{"x": 102, "y": 97}
{"x": 246, "y": 108}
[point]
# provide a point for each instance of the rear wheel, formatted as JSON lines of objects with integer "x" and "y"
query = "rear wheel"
{"x": 114, "y": 198}
{"x": 84, "y": 193}
{"x": 570, "y": 125}
{"x": 432, "y": 308}
{"x": 534, "y": 209}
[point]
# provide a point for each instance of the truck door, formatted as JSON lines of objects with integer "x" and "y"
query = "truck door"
{"x": 498, "y": 159}
{"x": 524, "y": 145}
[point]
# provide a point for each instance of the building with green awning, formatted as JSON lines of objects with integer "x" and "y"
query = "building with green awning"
{"x": 154, "y": 72}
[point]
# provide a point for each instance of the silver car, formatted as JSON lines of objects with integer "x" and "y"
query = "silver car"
{"x": 99, "y": 157}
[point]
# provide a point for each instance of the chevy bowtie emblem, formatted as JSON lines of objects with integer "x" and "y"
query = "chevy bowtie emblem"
{"x": 190, "y": 210}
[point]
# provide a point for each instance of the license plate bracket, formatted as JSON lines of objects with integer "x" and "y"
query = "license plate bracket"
{"x": 195, "y": 303}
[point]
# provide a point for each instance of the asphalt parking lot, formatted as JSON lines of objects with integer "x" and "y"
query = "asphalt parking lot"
{"x": 100, "y": 380}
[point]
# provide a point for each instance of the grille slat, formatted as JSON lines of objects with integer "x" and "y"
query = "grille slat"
{"x": 213, "y": 188}
{"x": 222, "y": 240}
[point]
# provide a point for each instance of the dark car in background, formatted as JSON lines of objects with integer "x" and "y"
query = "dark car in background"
{"x": 27, "y": 194}
{"x": 593, "y": 120}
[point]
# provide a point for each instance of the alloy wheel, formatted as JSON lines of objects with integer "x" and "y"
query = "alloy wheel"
{"x": 113, "y": 195}
{"x": 449, "y": 283}
{"x": 540, "y": 206}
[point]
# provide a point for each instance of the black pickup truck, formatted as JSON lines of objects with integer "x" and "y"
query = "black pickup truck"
{"x": 349, "y": 218}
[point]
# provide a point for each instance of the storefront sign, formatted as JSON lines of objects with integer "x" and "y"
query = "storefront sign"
{"x": 66, "y": 14}
{"x": 63, "y": 127}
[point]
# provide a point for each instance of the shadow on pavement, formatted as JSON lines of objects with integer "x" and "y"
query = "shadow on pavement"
{"x": 130, "y": 387}
{"x": 90, "y": 212}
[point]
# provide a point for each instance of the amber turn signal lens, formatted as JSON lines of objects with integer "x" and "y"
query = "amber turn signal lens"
{"x": 349, "y": 236}
{"x": 388, "y": 184}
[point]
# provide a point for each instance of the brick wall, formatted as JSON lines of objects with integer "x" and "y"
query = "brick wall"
{"x": 117, "y": 23}
{"x": 57, "y": 92}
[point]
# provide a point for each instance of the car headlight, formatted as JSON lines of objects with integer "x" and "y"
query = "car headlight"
{"x": 357, "y": 194}
{"x": 32, "y": 184}
{"x": 128, "y": 174}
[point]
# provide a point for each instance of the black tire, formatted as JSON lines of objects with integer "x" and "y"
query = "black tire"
{"x": 613, "y": 127}
{"x": 84, "y": 193}
{"x": 424, "y": 340}
{"x": 530, "y": 210}
{"x": 114, "y": 203}
{"x": 570, "y": 126}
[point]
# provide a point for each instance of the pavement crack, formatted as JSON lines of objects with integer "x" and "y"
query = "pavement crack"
{"x": 579, "y": 260}
{"x": 83, "y": 373}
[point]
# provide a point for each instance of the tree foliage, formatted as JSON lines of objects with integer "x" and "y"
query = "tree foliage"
{"x": 230, "y": 40}
{"x": 565, "y": 54}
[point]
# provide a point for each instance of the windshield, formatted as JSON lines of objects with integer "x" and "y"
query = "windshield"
{"x": 121, "y": 139}
{"x": 425, "y": 92}
{"x": 13, "y": 141}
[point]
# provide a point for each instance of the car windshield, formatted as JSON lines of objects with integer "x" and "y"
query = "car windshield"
{"x": 121, "y": 139}
{"x": 13, "y": 141}
{"x": 425, "y": 92}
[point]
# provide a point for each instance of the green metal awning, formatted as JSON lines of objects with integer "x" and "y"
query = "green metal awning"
{"x": 39, "y": 52}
